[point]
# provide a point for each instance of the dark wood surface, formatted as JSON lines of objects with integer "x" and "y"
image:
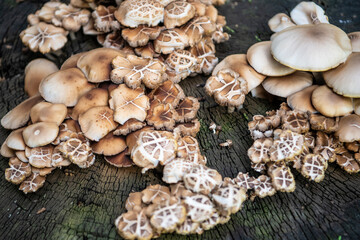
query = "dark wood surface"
{"x": 85, "y": 203}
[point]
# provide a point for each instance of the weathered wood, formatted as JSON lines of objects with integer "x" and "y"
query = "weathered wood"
{"x": 85, "y": 203}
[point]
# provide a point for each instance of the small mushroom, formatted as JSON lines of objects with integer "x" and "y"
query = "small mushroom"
{"x": 77, "y": 152}
{"x": 314, "y": 167}
{"x": 171, "y": 39}
{"x": 72, "y": 18}
{"x": 129, "y": 126}
{"x": 296, "y": 121}
{"x": 41, "y": 157}
{"x": 280, "y": 22}
{"x": 308, "y": 13}
{"x": 197, "y": 28}
{"x": 132, "y": 225}
{"x": 287, "y": 146}
{"x": 187, "y": 129}
{"x": 18, "y": 171}
{"x": 228, "y": 143}
{"x": 104, "y": 19}
{"x": 155, "y": 194}
{"x": 48, "y": 112}
{"x": 40, "y": 134}
{"x": 263, "y": 187}
{"x": 168, "y": 92}
{"x": 141, "y": 35}
{"x": 282, "y": 179}
{"x": 187, "y": 109}
{"x": 349, "y": 128}
{"x": 120, "y": 160}
{"x": 15, "y": 140}
{"x": 166, "y": 217}
{"x": 301, "y": 100}
{"x": 229, "y": 198}
{"x": 319, "y": 122}
{"x": 188, "y": 148}
{"x": 263, "y": 126}
{"x": 199, "y": 207}
{"x": 161, "y": 116}
{"x": 205, "y": 52}
{"x": 175, "y": 170}
{"x": 109, "y": 145}
{"x": 259, "y": 151}
{"x": 178, "y": 13}
{"x": 32, "y": 183}
{"x": 244, "y": 181}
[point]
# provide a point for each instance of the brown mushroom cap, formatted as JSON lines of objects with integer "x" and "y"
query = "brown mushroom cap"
{"x": 48, "y": 112}
{"x": 140, "y": 36}
{"x": 6, "y": 151}
{"x": 279, "y": 22}
{"x": 35, "y": 71}
{"x": 120, "y": 160}
{"x": 239, "y": 64}
{"x": 329, "y": 103}
{"x": 177, "y": 13}
{"x": 349, "y": 128}
{"x": 100, "y": 71}
{"x": 301, "y": 100}
{"x": 355, "y": 41}
{"x": 129, "y": 126}
{"x": 344, "y": 80}
{"x": 95, "y": 97}
{"x": 314, "y": 48}
{"x": 20, "y": 115}
{"x": 65, "y": 86}
{"x": 15, "y": 140}
{"x": 40, "y": 134}
{"x": 260, "y": 58}
{"x": 287, "y": 85}
{"x": 71, "y": 62}
{"x": 356, "y": 102}
{"x": 109, "y": 145}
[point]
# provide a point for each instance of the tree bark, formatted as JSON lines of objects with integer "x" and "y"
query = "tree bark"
{"x": 83, "y": 203}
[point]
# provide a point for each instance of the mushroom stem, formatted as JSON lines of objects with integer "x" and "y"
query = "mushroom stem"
{"x": 72, "y": 36}
{"x": 231, "y": 109}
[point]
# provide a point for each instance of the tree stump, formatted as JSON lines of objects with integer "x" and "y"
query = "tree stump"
{"x": 83, "y": 203}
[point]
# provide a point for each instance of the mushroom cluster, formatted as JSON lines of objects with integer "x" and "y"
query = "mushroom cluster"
{"x": 85, "y": 108}
{"x": 305, "y": 49}
{"x": 180, "y": 33}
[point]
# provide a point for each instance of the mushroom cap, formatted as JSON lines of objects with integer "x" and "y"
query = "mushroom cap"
{"x": 260, "y": 58}
{"x": 140, "y": 36}
{"x": 177, "y": 13}
{"x": 344, "y": 79}
{"x": 356, "y": 102}
{"x": 95, "y": 97}
{"x": 40, "y": 134}
{"x": 6, "y": 151}
{"x": 239, "y": 64}
{"x": 287, "y": 85}
{"x": 71, "y": 62}
{"x": 308, "y": 13}
{"x": 132, "y": 13}
{"x": 129, "y": 126}
{"x": 109, "y": 145}
{"x": 96, "y": 64}
{"x": 329, "y": 103}
{"x": 97, "y": 122}
{"x": 48, "y": 112}
{"x": 314, "y": 48}
{"x": 15, "y": 140}
{"x": 65, "y": 86}
{"x": 170, "y": 40}
{"x": 20, "y": 115}
{"x": 120, "y": 160}
{"x": 279, "y": 22}
{"x": 301, "y": 100}
{"x": 355, "y": 41}
{"x": 35, "y": 71}
{"x": 349, "y": 128}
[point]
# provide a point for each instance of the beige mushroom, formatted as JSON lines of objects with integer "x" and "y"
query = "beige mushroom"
{"x": 308, "y": 13}
{"x": 180, "y": 64}
{"x": 349, "y": 128}
{"x": 301, "y": 100}
{"x": 141, "y": 35}
{"x": 48, "y": 112}
{"x": 71, "y": 62}
{"x": 170, "y": 40}
{"x": 280, "y": 22}
{"x": 15, "y": 140}
{"x": 177, "y": 13}
{"x": 197, "y": 28}
{"x": 129, "y": 126}
{"x": 35, "y": 71}
{"x": 109, "y": 145}
{"x": 40, "y": 134}
{"x": 6, "y": 151}
{"x": 104, "y": 19}
{"x": 355, "y": 41}
{"x": 65, "y": 86}
{"x": 72, "y": 18}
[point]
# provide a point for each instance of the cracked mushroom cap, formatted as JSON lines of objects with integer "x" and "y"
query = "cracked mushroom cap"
{"x": 71, "y": 62}
{"x": 64, "y": 86}
{"x": 287, "y": 146}
{"x": 40, "y": 157}
{"x": 135, "y": 70}
{"x": 18, "y": 171}
{"x": 155, "y": 194}
{"x": 260, "y": 58}
{"x": 161, "y": 115}
{"x": 20, "y": 115}
{"x": 168, "y": 92}
{"x": 282, "y": 179}
{"x": 40, "y": 134}
{"x": 201, "y": 179}
{"x": 132, "y": 13}
{"x": 188, "y": 148}
{"x": 344, "y": 80}
{"x": 100, "y": 71}
{"x": 313, "y": 48}
{"x": 263, "y": 126}
{"x": 308, "y": 13}
{"x": 128, "y": 103}
{"x": 178, "y": 13}
{"x": 264, "y": 187}
{"x": 77, "y": 152}
{"x": 288, "y": 85}
{"x": 129, "y": 126}
{"x": 134, "y": 225}
{"x": 329, "y": 103}
{"x": 109, "y": 145}
{"x": 97, "y": 122}
{"x": 347, "y": 161}
{"x": 296, "y": 121}
{"x": 189, "y": 227}
{"x": 153, "y": 147}
{"x": 280, "y": 22}
{"x": 48, "y": 112}
{"x": 104, "y": 19}
{"x": 72, "y": 18}
{"x": 197, "y": 28}
{"x": 355, "y": 41}
{"x": 187, "y": 109}
{"x": 319, "y": 122}
{"x": 166, "y": 217}
{"x": 175, "y": 170}
{"x": 349, "y": 128}
{"x": 35, "y": 71}
{"x": 205, "y": 52}
{"x": 227, "y": 87}
{"x": 32, "y": 183}
{"x": 170, "y": 40}
{"x": 94, "y": 98}
{"x": 188, "y": 128}
{"x": 301, "y": 100}
{"x": 243, "y": 180}
{"x": 57, "y": 159}
{"x": 147, "y": 51}
{"x": 44, "y": 37}
{"x": 229, "y": 198}
{"x": 260, "y": 150}
{"x": 239, "y": 64}
{"x": 314, "y": 167}
{"x": 141, "y": 35}
{"x": 120, "y": 160}
{"x": 132, "y": 138}
{"x": 199, "y": 207}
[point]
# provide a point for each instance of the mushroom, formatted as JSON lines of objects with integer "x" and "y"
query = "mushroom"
{"x": 325, "y": 146}
{"x": 228, "y": 88}
{"x": 175, "y": 170}
{"x": 148, "y": 51}
{"x": 20, "y": 115}
{"x": 109, "y": 145}
{"x": 136, "y": 70}
{"x": 259, "y": 151}
{"x": 261, "y": 126}
{"x": 161, "y": 115}
{"x": 48, "y": 112}
{"x": 263, "y": 187}
{"x": 129, "y": 126}
{"x": 189, "y": 227}
{"x": 171, "y": 39}
{"x": 244, "y": 181}
{"x": 314, "y": 167}
{"x": 120, "y": 160}
{"x": 6, "y": 151}
{"x": 187, "y": 109}
{"x": 329, "y": 103}
{"x": 77, "y": 152}
{"x": 287, "y": 85}
{"x": 141, "y": 35}
{"x": 32, "y": 183}
{"x": 319, "y": 122}
{"x": 197, "y": 28}
{"x": 33, "y": 19}
{"x": 308, "y": 13}
{"x": 282, "y": 179}
{"x": 18, "y": 171}
{"x": 287, "y": 146}
{"x": 47, "y": 12}
{"x": 296, "y": 121}
{"x": 65, "y": 86}
{"x": 15, "y": 140}
{"x": 280, "y": 22}
{"x": 177, "y": 13}
{"x": 132, "y": 13}
{"x": 133, "y": 201}
{"x": 80, "y": 3}
{"x": 128, "y": 103}
{"x": 71, "y": 62}
{"x": 44, "y": 37}
{"x": 40, "y": 157}
{"x": 166, "y": 217}
{"x": 301, "y": 100}
{"x": 97, "y": 122}
{"x": 260, "y": 58}
{"x": 355, "y": 42}
{"x": 72, "y": 18}
{"x": 104, "y": 19}
{"x": 40, "y": 134}
{"x": 205, "y": 52}
{"x": 35, "y": 71}
{"x": 188, "y": 148}
{"x": 344, "y": 79}
{"x": 168, "y": 92}
{"x": 349, "y": 128}
{"x": 57, "y": 159}
{"x": 155, "y": 194}
{"x": 133, "y": 224}
{"x": 187, "y": 129}
{"x": 311, "y": 47}
{"x": 113, "y": 40}
{"x": 100, "y": 71}
{"x": 199, "y": 207}
{"x": 346, "y": 161}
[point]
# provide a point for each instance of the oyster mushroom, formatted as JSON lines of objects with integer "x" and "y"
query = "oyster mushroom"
{"x": 40, "y": 134}
{"x": 48, "y": 112}
{"x": 280, "y": 22}
{"x": 308, "y": 13}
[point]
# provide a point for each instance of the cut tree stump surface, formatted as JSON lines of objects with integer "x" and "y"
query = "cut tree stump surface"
{"x": 83, "y": 203}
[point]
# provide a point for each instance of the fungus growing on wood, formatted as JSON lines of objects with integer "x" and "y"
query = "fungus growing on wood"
{"x": 141, "y": 35}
